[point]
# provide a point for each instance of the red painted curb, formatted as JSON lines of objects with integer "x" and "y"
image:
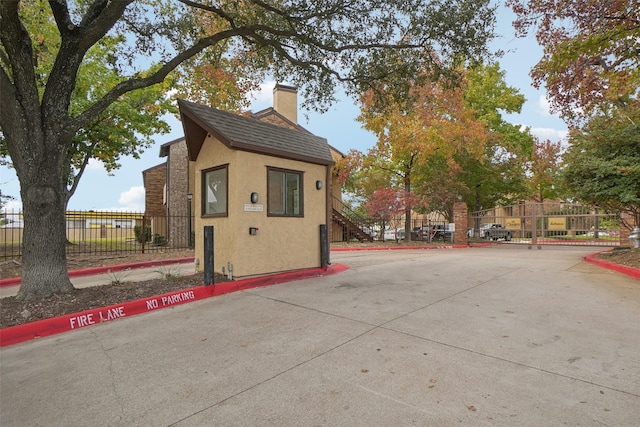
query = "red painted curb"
{"x": 42, "y": 328}
{"x": 395, "y": 248}
{"x": 629, "y": 271}
{"x": 113, "y": 268}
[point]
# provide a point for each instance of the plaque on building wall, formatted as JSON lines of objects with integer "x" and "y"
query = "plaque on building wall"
{"x": 250, "y": 207}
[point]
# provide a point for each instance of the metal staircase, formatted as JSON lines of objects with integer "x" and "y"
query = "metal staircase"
{"x": 353, "y": 226}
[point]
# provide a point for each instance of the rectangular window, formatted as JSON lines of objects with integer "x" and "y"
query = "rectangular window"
{"x": 123, "y": 223}
{"x": 284, "y": 193}
{"x": 215, "y": 190}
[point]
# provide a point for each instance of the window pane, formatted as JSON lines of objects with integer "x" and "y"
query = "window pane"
{"x": 215, "y": 191}
{"x": 293, "y": 194}
{"x": 276, "y": 192}
{"x": 285, "y": 192}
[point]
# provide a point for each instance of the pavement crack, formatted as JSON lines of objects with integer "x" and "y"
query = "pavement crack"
{"x": 385, "y": 396}
{"x": 512, "y": 362}
{"x": 112, "y": 374}
{"x": 266, "y": 380}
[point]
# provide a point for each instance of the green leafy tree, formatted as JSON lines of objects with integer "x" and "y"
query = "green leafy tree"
{"x": 314, "y": 45}
{"x": 449, "y": 142}
{"x": 498, "y": 176}
{"x": 544, "y": 169}
{"x": 602, "y": 164}
{"x": 591, "y": 70}
{"x": 435, "y": 124}
{"x": 491, "y": 169}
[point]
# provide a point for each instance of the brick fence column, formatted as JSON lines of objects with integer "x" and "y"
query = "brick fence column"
{"x": 626, "y": 232}
{"x": 460, "y": 219}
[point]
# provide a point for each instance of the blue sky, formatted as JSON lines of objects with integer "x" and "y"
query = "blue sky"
{"x": 124, "y": 190}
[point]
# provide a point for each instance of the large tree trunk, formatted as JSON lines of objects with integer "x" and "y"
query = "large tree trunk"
{"x": 44, "y": 259}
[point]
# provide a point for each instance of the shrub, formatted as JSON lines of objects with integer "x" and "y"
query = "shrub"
{"x": 137, "y": 230}
{"x": 159, "y": 240}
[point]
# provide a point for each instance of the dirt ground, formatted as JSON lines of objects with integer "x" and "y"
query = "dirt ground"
{"x": 628, "y": 257}
{"x": 11, "y": 269}
{"x": 13, "y": 312}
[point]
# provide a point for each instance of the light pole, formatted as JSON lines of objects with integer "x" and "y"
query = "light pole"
{"x": 189, "y": 239}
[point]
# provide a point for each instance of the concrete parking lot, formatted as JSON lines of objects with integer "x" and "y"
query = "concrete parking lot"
{"x": 499, "y": 336}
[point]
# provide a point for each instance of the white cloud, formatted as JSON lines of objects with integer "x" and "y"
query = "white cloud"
{"x": 544, "y": 106}
{"x": 543, "y": 134}
{"x": 95, "y": 165}
{"x": 551, "y": 134}
{"x": 132, "y": 199}
{"x": 263, "y": 97}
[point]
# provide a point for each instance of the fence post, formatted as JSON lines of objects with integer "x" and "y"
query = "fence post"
{"x": 143, "y": 231}
{"x": 534, "y": 225}
{"x": 208, "y": 255}
{"x": 460, "y": 235}
{"x": 324, "y": 247}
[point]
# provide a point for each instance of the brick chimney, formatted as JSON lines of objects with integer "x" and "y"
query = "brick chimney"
{"x": 285, "y": 101}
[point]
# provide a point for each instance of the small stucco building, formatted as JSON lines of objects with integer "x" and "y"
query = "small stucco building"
{"x": 262, "y": 182}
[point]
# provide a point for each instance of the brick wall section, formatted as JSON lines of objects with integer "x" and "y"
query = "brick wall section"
{"x": 460, "y": 219}
{"x": 154, "y": 179}
{"x": 274, "y": 119}
{"x": 626, "y": 232}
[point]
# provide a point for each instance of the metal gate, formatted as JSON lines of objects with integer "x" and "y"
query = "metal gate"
{"x": 547, "y": 224}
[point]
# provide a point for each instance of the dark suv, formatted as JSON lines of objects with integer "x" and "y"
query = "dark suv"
{"x": 431, "y": 233}
{"x": 440, "y": 232}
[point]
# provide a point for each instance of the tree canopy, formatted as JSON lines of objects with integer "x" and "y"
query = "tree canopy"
{"x": 602, "y": 164}
{"x": 544, "y": 182}
{"x": 315, "y": 45}
{"x": 591, "y": 69}
{"x": 591, "y": 61}
{"x": 448, "y": 142}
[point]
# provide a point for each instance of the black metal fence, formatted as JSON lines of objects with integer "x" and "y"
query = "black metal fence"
{"x": 101, "y": 232}
{"x": 424, "y": 230}
{"x": 347, "y": 225}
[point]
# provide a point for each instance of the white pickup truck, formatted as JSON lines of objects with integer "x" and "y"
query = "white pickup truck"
{"x": 495, "y": 231}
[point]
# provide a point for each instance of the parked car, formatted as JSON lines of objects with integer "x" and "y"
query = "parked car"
{"x": 432, "y": 232}
{"x": 440, "y": 232}
{"x": 495, "y": 231}
{"x": 420, "y": 233}
{"x": 368, "y": 231}
{"x": 394, "y": 234}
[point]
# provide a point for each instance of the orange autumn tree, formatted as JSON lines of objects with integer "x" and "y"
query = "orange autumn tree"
{"x": 545, "y": 170}
{"x": 434, "y": 127}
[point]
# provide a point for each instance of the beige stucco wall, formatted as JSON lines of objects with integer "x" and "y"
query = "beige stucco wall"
{"x": 282, "y": 243}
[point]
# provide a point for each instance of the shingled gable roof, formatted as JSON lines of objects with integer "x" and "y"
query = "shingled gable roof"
{"x": 164, "y": 148}
{"x": 249, "y": 134}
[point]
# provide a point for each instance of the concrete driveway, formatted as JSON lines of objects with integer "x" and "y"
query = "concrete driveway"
{"x": 500, "y": 336}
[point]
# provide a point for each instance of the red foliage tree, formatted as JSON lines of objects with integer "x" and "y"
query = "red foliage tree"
{"x": 591, "y": 55}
